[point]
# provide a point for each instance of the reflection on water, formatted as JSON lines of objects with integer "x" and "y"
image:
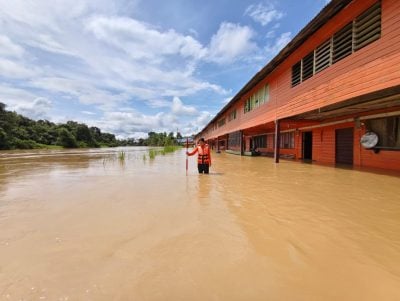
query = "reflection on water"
{"x": 78, "y": 225}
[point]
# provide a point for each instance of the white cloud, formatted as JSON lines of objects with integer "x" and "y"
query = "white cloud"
{"x": 197, "y": 124}
{"x": 231, "y": 42}
{"x": 9, "y": 49}
{"x": 12, "y": 96}
{"x": 279, "y": 44}
{"x": 263, "y": 13}
{"x": 95, "y": 57}
{"x": 38, "y": 109}
{"x": 194, "y": 32}
{"x": 49, "y": 44}
{"x": 226, "y": 100}
{"x": 114, "y": 52}
{"x": 203, "y": 119}
{"x": 158, "y": 103}
{"x": 128, "y": 124}
{"x": 178, "y": 108}
{"x": 140, "y": 40}
{"x": 88, "y": 113}
{"x": 83, "y": 90}
{"x": 11, "y": 69}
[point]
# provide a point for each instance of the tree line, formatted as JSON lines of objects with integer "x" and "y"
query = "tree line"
{"x": 20, "y": 132}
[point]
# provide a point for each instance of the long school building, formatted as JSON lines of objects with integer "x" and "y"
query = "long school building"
{"x": 338, "y": 79}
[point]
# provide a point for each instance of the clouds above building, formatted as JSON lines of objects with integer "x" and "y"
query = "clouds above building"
{"x": 105, "y": 59}
{"x": 264, "y": 13}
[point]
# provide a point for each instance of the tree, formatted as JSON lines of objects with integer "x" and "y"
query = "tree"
{"x": 17, "y": 131}
{"x": 66, "y": 139}
{"x": 96, "y": 133}
{"x": 83, "y": 134}
{"x": 3, "y": 139}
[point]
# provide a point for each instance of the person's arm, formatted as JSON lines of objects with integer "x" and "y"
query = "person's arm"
{"x": 192, "y": 152}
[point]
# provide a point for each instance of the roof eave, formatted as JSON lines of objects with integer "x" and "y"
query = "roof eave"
{"x": 327, "y": 13}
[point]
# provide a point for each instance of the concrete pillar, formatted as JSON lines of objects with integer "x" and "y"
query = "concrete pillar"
{"x": 277, "y": 140}
{"x": 241, "y": 143}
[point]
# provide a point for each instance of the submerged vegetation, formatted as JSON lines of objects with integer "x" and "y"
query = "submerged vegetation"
{"x": 152, "y": 153}
{"x": 166, "y": 149}
{"x": 121, "y": 156}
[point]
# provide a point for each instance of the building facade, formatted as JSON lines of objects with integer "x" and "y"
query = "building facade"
{"x": 336, "y": 81}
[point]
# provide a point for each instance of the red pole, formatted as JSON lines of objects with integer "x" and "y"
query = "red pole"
{"x": 187, "y": 148}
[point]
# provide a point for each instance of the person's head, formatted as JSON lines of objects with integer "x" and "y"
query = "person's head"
{"x": 201, "y": 141}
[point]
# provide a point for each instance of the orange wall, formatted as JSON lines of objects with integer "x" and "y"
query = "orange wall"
{"x": 324, "y": 143}
{"x": 385, "y": 159}
{"x": 372, "y": 68}
{"x": 324, "y": 149}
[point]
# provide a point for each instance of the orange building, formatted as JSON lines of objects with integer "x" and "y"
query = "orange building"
{"x": 337, "y": 80}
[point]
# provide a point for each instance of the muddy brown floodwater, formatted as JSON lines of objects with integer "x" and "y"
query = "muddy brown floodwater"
{"x": 82, "y": 225}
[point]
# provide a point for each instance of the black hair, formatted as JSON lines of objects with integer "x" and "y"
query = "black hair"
{"x": 201, "y": 139}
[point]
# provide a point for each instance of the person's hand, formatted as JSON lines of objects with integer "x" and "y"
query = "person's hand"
{"x": 187, "y": 153}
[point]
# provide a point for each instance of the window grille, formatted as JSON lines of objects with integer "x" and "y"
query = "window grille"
{"x": 266, "y": 93}
{"x": 296, "y": 74}
{"x": 221, "y": 122}
{"x": 308, "y": 66}
{"x": 323, "y": 56}
{"x": 367, "y": 27}
{"x": 287, "y": 140}
{"x": 232, "y": 115}
{"x": 260, "y": 141}
{"x": 343, "y": 43}
{"x": 258, "y": 98}
{"x": 234, "y": 139}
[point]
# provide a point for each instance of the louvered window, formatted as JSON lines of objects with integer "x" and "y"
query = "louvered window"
{"x": 343, "y": 43}
{"x": 287, "y": 140}
{"x": 259, "y": 141}
{"x": 363, "y": 30}
{"x": 234, "y": 139}
{"x": 266, "y": 93}
{"x": 296, "y": 74}
{"x": 257, "y": 99}
{"x": 232, "y": 115}
{"x": 323, "y": 56}
{"x": 367, "y": 27}
{"x": 308, "y": 66}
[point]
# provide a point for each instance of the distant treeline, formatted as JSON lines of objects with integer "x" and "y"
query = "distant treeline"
{"x": 20, "y": 132}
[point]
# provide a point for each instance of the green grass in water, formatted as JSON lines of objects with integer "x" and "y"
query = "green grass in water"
{"x": 152, "y": 154}
{"x": 165, "y": 150}
{"x": 170, "y": 148}
{"x": 121, "y": 156}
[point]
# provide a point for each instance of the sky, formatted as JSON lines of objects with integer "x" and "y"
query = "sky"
{"x": 134, "y": 66}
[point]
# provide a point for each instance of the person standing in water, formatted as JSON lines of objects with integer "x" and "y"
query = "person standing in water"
{"x": 204, "y": 156}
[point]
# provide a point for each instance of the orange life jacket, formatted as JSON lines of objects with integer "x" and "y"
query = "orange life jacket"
{"x": 203, "y": 154}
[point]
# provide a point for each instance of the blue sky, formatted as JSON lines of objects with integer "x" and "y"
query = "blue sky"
{"x": 133, "y": 66}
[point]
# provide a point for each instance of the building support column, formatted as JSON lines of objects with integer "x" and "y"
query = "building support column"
{"x": 218, "y": 151}
{"x": 277, "y": 147}
{"x": 241, "y": 143}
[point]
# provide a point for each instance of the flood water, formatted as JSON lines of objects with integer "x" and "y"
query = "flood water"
{"x": 82, "y": 225}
